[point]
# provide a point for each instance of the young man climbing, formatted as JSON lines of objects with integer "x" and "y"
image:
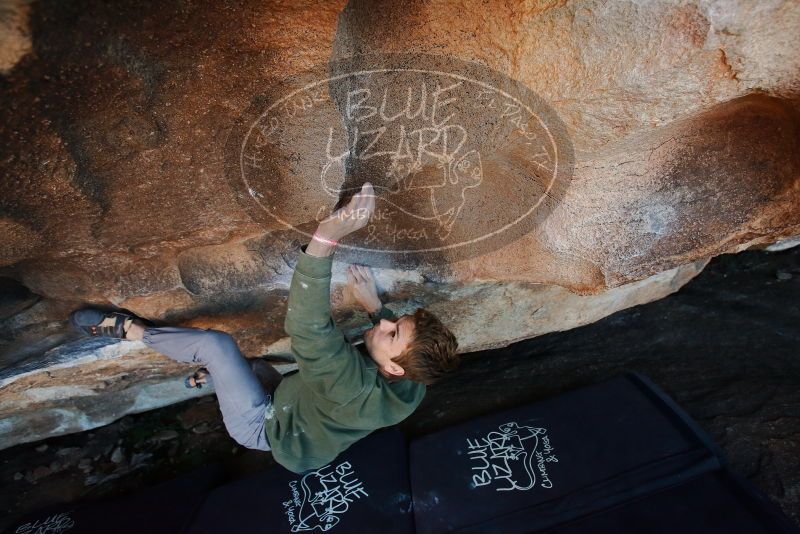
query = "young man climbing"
{"x": 340, "y": 393}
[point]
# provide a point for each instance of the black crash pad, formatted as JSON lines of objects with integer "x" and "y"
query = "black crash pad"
{"x": 614, "y": 457}
{"x": 365, "y": 490}
{"x": 540, "y": 465}
{"x": 166, "y": 508}
{"x": 715, "y": 502}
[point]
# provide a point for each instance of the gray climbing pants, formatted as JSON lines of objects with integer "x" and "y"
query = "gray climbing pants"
{"x": 243, "y": 399}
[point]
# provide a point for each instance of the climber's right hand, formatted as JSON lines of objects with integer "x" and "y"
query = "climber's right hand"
{"x": 350, "y": 218}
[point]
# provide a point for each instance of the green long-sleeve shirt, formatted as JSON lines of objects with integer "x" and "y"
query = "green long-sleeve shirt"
{"x": 338, "y": 396}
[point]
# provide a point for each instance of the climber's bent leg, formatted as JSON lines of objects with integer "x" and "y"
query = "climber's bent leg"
{"x": 242, "y": 399}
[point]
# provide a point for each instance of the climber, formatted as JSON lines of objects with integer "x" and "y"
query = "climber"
{"x": 341, "y": 392}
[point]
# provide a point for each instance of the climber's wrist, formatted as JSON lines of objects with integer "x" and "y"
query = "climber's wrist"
{"x": 321, "y": 244}
{"x": 324, "y": 240}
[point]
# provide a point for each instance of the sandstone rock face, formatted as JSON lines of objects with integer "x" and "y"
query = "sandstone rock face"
{"x": 681, "y": 120}
{"x": 15, "y": 39}
{"x": 86, "y": 383}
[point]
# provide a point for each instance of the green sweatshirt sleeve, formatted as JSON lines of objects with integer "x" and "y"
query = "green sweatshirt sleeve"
{"x": 327, "y": 363}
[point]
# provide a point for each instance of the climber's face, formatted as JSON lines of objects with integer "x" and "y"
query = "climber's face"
{"x": 387, "y": 340}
